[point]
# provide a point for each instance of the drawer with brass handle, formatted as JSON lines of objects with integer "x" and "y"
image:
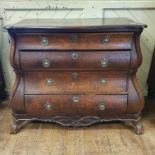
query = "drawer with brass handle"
{"x": 79, "y": 60}
{"x": 77, "y": 105}
{"x": 85, "y": 41}
{"x": 75, "y": 82}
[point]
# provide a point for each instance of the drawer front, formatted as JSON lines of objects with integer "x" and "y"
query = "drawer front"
{"x": 85, "y": 41}
{"x": 75, "y": 82}
{"x": 75, "y": 60}
{"x": 75, "y": 105}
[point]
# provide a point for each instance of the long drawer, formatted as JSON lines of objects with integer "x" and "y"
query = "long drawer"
{"x": 75, "y": 105}
{"x": 85, "y": 41}
{"x": 108, "y": 82}
{"x": 79, "y": 60}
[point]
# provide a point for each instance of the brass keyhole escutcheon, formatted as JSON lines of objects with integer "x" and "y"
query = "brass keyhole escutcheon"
{"x": 44, "y": 41}
{"x": 74, "y": 38}
{"x": 104, "y": 62}
{"x": 75, "y": 75}
{"x": 46, "y": 63}
{"x": 75, "y": 55}
{"x": 105, "y": 40}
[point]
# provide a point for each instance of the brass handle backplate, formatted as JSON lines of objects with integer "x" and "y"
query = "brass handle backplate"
{"x": 48, "y": 106}
{"x": 75, "y": 99}
{"x": 103, "y": 82}
{"x": 101, "y": 106}
{"x": 49, "y": 82}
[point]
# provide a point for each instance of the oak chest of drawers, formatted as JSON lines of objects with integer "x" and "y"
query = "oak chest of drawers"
{"x": 76, "y": 72}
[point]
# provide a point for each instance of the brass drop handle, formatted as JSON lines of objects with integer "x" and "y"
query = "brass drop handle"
{"x": 103, "y": 82}
{"x": 46, "y": 63}
{"x": 101, "y": 106}
{"x": 44, "y": 41}
{"x": 49, "y": 82}
{"x": 105, "y": 40}
{"x": 74, "y": 38}
{"x": 75, "y": 99}
{"x": 48, "y": 106}
{"x": 104, "y": 62}
{"x": 75, "y": 55}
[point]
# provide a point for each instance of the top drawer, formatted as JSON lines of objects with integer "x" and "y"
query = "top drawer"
{"x": 83, "y": 41}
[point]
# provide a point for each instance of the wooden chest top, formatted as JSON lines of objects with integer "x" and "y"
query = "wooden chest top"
{"x": 91, "y": 24}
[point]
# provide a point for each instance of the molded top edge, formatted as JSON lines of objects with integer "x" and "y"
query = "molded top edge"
{"x": 76, "y": 23}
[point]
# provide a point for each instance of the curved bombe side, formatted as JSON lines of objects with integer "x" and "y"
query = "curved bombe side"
{"x": 16, "y": 96}
{"x": 135, "y": 97}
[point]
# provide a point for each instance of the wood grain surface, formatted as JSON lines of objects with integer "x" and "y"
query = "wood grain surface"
{"x": 49, "y": 139}
{"x": 83, "y": 41}
{"x": 79, "y": 60}
{"x": 85, "y": 82}
{"x": 87, "y": 105}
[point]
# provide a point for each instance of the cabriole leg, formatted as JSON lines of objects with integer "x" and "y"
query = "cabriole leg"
{"x": 17, "y": 125}
{"x": 138, "y": 127}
